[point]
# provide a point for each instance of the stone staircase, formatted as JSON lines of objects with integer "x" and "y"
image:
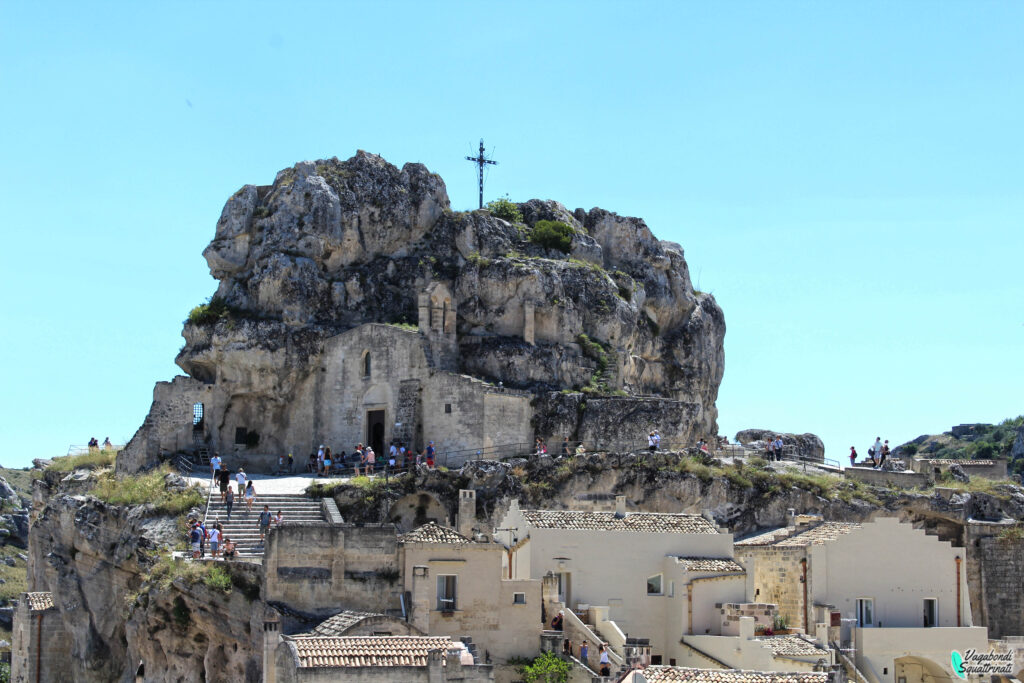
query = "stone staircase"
{"x": 608, "y": 378}
{"x": 244, "y": 528}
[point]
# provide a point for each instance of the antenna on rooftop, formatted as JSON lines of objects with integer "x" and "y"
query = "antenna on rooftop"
{"x": 480, "y": 160}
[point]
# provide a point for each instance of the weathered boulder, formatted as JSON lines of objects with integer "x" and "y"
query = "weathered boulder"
{"x": 807, "y": 445}
{"x": 332, "y": 245}
{"x": 957, "y": 472}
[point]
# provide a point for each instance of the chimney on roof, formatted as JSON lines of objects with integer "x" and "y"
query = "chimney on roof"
{"x": 620, "y": 506}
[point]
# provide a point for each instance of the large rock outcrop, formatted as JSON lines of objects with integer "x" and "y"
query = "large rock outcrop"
{"x": 807, "y": 445}
{"x": 334, "y": 244}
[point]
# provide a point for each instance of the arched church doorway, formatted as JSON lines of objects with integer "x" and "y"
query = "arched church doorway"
{"x": 375, "y": 432}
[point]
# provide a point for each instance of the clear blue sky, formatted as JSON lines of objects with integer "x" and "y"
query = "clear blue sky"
{"x": 846, "y": 178}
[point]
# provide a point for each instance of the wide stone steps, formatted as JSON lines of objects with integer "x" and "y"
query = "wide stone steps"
{"x": 243, "y": 528}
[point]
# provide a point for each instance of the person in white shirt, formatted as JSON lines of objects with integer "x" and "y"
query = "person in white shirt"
{"x": 876, "y": 451}
{"x": 214, "y": 541}
{"x": 657, "y": 440}
{"x": 240, "y": 478}
{"x": 214, "y": 465}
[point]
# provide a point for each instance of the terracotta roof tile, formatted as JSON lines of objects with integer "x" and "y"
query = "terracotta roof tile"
{"x": 353, "y": 651}
{"x": 814, "y": 535}
{"x": 790, "y": 646}
{"x": 675, "y": 674}
{"x": 946, "y": 461}
{"x": 648, "y": 522}
{"x": 432, "y": 532}
{"x": 709, "y": 564}
{"x": 341, "y": 622}
{"x": 37, "y": 602}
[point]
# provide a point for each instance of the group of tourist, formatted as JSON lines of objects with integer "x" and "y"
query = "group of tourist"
{"x": 541, "y": 448}
{"x": 94, "y": 444}
{"x": 199, "y": 535}
{"x": 364, "y": 460}
{"x": 583, "y": 650}
{"x": 773, "y": 448}
{"x": 878, "y": 453}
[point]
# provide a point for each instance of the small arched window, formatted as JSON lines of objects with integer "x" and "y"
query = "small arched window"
{"x": 366, "y": 364}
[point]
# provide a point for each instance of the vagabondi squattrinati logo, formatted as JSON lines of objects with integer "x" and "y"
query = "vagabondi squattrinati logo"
{"x": 981, "y": 663}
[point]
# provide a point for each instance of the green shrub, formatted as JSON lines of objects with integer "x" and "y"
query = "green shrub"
{"x": 218, "y": 579}
{"x": 909, "y": 449}
{"x": 213, "y": 310}
{"x": 552, "y": 235}
{"x": 150, "y": 487}
{"x": 505, "y": 209}
{"x": 548, "y": 668}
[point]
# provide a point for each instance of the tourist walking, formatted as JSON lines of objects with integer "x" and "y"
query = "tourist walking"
{"x": 229, "y": 501}
{"x": 240, "y": 479}
{"x": 214, "y": 541}
{"x": 195, "y": 539}
{"x": 214, "y": 465}
{"x": 584, "y": 648}
{"x": 371, "y": 460}
{"x": 853, "y": 456}
{"x": 250, "y": 496}
{"x": 265, "y": 518}
{"x": 885, "y": 453}
{"x": 876, "y": 451}
{"x": 566, "y": 448}
{"x": 777, "y": 447}
{"x": 327, "y": 462}
{"x": 657, "y": 440}
{"x": 279, "y": 518}
{"x": 291, "y": 464}
{"x": 224, "y": 481}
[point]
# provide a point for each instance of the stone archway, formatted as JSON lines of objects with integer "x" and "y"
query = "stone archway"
{"x": 416, "y": 509}
{"x": 919, "y": 670}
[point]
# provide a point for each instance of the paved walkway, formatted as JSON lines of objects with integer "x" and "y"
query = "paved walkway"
{"x": 268, "y": 483}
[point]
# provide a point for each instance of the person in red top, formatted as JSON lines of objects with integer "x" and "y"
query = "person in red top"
{"x": 853, "y": 456}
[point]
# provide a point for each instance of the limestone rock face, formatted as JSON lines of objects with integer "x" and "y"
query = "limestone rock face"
{"x": 332, "y": 244}
{"x": 94, "y": 556}
{"x": 807, "y": 445}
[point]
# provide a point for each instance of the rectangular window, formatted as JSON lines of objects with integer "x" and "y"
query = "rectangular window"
{"x": 447, "y": 407}
{"x": 446, "y": 601}
{"x": 519, "y": 598}
{"x": 240, "y": 434}
{"x": 931, "y": 612}
{"x": 654, "y": 585}
{"x": 865, "y": 612}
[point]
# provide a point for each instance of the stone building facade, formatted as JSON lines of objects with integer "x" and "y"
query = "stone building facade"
{"x": 41, "y": 647}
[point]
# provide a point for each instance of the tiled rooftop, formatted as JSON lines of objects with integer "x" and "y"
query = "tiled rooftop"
{"x": 649, "y": 522}
{"x": 351, "y": 651}
{"x": 790, "y": 646}
{"x": 340, "y": 622}
{"x": 814, "y": 535}
{"x": 946, "y": 461}
{"x": 432, "y": 532}
{"x": 675, "y": 674}
{"x": 37, "y": 602}
{"x": 709, "y": 564}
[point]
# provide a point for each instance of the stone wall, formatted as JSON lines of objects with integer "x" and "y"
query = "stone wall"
{"x": 777, "y": 574}
{"x": 907, "y": 480}
{"x": 315, "y": 568}
{"x": 992, "y": 469}
{"x": 168, "y": 425}
{"x": 762, "y": 613}
{"x": 997, "y": 563}
{"x": 41, "y": 647}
